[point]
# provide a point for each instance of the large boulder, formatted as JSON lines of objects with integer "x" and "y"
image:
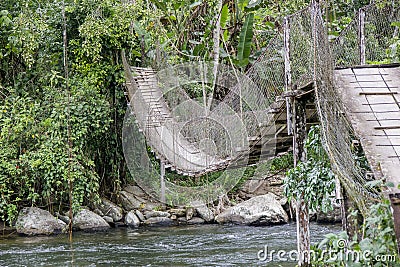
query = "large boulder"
{"x": 260, "y": 210}
{"x": 156, "y": 213}
{"x": 109, "y": 209}
{"x": 131, "y": 219}
{"x": 130, "y": 202}
{"x": 203, "y": 211}
{"x": 258, "y": 187}
{"x": 196, "y": 220}
{"x": 87, "y": 220}
{"x": 159, "y": 221}
{"x": 35, "y": 221}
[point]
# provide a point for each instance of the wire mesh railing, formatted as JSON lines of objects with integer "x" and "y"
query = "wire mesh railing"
{"x": 312, "y": 58}
{"x": 296, "y": 57}
{"x": 371, "y": 38}
{"x": 368, "y": 39}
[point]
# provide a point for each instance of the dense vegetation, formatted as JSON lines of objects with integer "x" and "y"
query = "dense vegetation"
{"x": 61, "y": 81}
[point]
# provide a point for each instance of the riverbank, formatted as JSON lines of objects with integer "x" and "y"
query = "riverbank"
{"x": 256, "y": 203}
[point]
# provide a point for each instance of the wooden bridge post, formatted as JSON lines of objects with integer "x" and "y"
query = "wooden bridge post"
{"x": 350, "y": 224}
{"x": 162, "y": 182}
{"x": 395, "y": 201}
{"x": 299, "y": 154}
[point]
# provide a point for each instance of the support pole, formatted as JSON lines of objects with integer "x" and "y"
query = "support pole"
{"x": 162, "y": 182}
{"x": 361, "y": 31}
{"x": 351, "y": 225}
{"x": 299, "y": 154}
{"x": 395, "y": 201}
{"x": 288, "y": 75}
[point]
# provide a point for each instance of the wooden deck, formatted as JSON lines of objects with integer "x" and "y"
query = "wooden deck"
{"x": 371, "y": 96}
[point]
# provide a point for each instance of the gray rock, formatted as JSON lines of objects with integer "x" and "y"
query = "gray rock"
{"x": 132, "y": 202}
{"x": 182, "y": 220}
{"x": 260, "y": 210}
{"x": 35, "y": 221}
{"x": 156, "y": 213}
{"x": 189, "y": 213}
{"x": 129, "y": 201}
{"x": 173, "y": 217}
{"x": 87, "y": 220}
{"x": 196, "y": 220}
{"x": 178, "y": 212}
{"x": 108, "y": 219}
{"x": 283, "y": 201}
{"x": 98, "y": 212}
{"x": 159, "y": 221}
{"x": 110, "y": 209}
{"x": 149, "y": 206}
{"x": 131, "y": 219}
{"x": 257, "y": 187}
{"x": 140, "y": 215}
{"x": 203, "y": 211}
{"x": 63, "y": 218}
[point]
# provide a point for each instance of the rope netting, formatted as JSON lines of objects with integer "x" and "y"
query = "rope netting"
{"x": 196, "y": 133}
{"x": 368, "y": 39}
{"x": 310, "y": 60}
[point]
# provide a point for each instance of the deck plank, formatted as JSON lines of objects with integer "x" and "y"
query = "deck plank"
{"x": 375, "y": 117}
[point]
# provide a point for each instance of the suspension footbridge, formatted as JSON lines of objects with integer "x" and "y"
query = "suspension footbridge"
{"x": 355, "y": 104}
{"x": 350, "y": 86}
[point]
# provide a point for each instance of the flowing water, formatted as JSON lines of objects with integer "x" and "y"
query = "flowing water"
{"x": 206, "y": 245}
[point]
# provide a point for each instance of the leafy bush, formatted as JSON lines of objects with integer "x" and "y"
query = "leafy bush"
{"x": 313, "y": 180}
{"x": 378, "y": 246}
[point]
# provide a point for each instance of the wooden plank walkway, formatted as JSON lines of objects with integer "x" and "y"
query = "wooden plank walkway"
{"x": 371, "y": 96}
{"x": 156, "y": 122}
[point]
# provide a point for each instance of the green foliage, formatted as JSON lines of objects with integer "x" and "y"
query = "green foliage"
{"x": 283, "y": 162}
{"x": 34, "y": 159}
{"x": 41, "y": 116}
{"x": 378, "y": 243}
{"x": 312, "y": 180}
{"x": 339, "y": 14}
{"x": 224, "y": 16}
{"x": 245, "y": 41}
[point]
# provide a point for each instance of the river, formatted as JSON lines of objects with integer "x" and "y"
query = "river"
{"x": 205, "y": 245}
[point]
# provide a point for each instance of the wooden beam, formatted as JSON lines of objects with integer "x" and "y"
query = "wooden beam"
{"x": 378, "y": 93}
{"x": 391, "y": 127}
